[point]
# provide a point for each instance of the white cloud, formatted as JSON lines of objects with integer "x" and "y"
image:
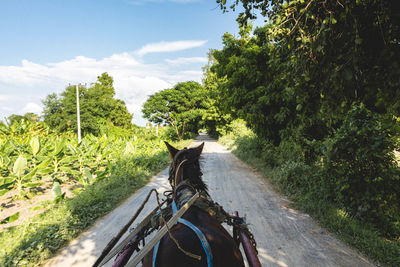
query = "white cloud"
{"x": 169, "y": 46}
{"x": 186, "y": 60}
{"x": 32, "y": 107}
{"x": 24, "y": 86}
{"x": 4, "y": 97}
{"x": 7, "y": 109}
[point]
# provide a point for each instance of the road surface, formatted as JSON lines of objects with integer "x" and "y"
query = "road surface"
{"x": 285, "y": 237}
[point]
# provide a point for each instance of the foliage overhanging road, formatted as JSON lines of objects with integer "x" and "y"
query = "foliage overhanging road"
{"x": 285, "y": 237}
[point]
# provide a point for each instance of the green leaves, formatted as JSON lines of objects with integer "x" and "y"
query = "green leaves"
{"x": 129, "y": 149}
{"x": 10, "y": 219}
{"x": 360, "y": 155}
{"x": 181, "y": 107}
{"x": 56, "y": 190}
{"x": 98, "y": 108}
{"x": 88, "y": 174}
{"x": 32, "y": 158}
{"x": 341, "y": 63}
{"x": 20, "y": 166}
{"x": 35, "y": 145}
{"x": 6, "y": 181}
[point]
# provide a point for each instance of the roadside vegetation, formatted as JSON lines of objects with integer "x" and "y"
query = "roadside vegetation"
{"x": 318, "y": 89}
{"x": 52, "y": 187}
{"x": 304, "y": 184}
{"x": 82, "y": 181}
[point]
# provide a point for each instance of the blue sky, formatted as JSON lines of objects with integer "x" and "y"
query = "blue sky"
{"x": 146, "y": 45}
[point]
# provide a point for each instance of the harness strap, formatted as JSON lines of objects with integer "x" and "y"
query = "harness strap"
{"x": 203, "y": 240}
{"x": 197, "y": 231}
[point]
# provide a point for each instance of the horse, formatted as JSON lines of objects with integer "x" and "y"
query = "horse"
{"x": 185, "y": 177}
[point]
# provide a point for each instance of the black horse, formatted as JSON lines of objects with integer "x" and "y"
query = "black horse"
{"x": 185, "y": 178}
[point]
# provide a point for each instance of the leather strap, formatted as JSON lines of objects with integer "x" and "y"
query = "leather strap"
{"x": 197, "y": 231}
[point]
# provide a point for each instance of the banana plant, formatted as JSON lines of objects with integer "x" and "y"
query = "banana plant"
{"x": 29, "y": 152}
{"x": 19, "y": 168}
{"x": 35, "y": 145}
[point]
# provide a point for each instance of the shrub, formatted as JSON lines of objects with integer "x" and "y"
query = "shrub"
{"x": 360, "y": 167}
{"x": 294, "y": 177}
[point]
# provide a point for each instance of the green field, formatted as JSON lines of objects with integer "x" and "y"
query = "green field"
{"x": 81, "y": 181}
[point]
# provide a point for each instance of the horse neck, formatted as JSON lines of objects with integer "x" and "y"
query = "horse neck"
{"x": 195, "y": 184}
{"x": 185, "y": 190}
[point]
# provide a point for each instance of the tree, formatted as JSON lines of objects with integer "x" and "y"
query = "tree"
{"x": 13, "y": 118}
{"x": 214, "y": 118}
{"x": 29, "y": 116}
{"x": 323, "y": 76}
{"x": 97, "y": 107}
{"x": 182, "y": 107}
{"x": 300, "y": 74}
{"x": 340, "y": 51}
{"x": 52, "y": 111}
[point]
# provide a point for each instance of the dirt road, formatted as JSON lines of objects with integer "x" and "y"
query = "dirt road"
{"x": 285, "y": 237}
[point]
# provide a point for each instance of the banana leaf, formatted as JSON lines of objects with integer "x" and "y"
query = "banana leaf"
{"x": 44, "y": 164}
{"x": 10, "y": 219}
{"x": 45, "y": 171}
{"x": 20, "y": 166}
{"x": 3, "y": 191}
{"x": 35, "y": 145}
{"x": 28, "y": 177}
{"x": 69, "y": 170}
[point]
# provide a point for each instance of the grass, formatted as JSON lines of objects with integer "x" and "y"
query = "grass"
{"x": 361, "y": 235}
{"x": 33, "y": 242}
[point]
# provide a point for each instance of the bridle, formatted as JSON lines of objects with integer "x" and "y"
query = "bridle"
{"x": 177, "y": 182}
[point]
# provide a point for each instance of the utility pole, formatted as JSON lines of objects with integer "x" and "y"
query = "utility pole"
{"x": 78, "y": 113}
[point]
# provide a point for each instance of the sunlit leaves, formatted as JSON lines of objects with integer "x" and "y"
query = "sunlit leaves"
{"x": 98, "y": 107}
{"x": 56, "y": 189}
{"x": 11, "y": 218}
{"x": 20, "y": 166}
{"x": 181, "y": 107}
{"x": 35, "y": 145}
{"x": 32, "y": 157}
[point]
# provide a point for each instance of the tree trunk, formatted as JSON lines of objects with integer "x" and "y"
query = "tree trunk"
{"x": 183, "y": 129}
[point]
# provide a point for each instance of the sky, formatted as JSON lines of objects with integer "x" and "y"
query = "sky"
{"x": 145, "y": 45}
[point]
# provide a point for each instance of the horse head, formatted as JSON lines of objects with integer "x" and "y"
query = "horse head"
{"x": 185, "y": 166}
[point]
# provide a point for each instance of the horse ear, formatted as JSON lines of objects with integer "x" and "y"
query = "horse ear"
{"x": 199, "y": 149}
{"x": 172, "y": 150}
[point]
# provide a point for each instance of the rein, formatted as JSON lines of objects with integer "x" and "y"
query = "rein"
{"x": 176, "y": 187}
{"x": 176, "y": 176}
{"x": 184, "y": 194}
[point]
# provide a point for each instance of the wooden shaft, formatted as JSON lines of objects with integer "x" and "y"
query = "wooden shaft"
{"x": 146, "y": 249}
{"x": 249, "y": 249}
{"x": 122, "y": 259}
{"x": 110, "y": 254}
{"x": 105, "y": 255}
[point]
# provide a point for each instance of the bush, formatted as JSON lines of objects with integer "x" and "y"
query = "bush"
{"x": 169, "y": 133}
{"x": 289, "y": 151}
{"x": 360, "y": 167}
{"x": 294, "y": 177}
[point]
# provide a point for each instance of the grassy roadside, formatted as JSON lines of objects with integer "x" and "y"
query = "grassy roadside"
{"x": 31, "y": 243}
{"x": 363, "y": 236}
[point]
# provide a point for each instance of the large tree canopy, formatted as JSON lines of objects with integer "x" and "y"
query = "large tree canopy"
{"x": 97, "y": 107}
{"x": 311, "y": 62}
{"x": 323, "y": 77}
{"x": 182, "y": 107}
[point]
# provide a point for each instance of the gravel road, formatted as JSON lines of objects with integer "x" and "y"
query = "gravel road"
{"x": 285, "y": 237}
